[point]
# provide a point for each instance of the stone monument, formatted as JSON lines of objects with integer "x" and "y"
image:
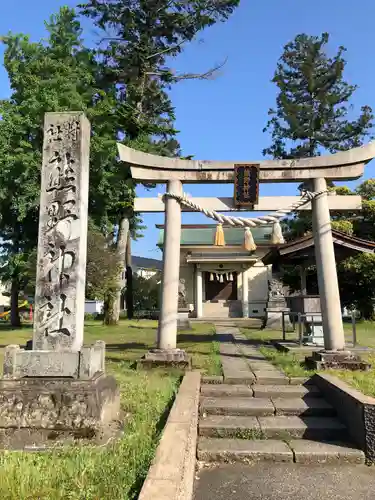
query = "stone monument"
{"x": 57, "y": 390}
{"x": 276, "y": 305}
{"x": 183, "y": 322}
{"x": 182, "y": 303}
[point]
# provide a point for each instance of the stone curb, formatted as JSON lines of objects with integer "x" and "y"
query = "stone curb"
{"x": 354, "y": 409}
{"x": 172, "y": 472}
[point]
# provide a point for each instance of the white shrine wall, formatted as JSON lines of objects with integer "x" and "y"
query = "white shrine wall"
{"x": 258, "y": 275}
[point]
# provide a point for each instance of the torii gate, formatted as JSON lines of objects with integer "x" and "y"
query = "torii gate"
{"x": 346, "y": 165}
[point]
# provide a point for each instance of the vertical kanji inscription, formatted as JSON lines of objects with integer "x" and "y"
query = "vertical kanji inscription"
{"x": 60, "y": 286}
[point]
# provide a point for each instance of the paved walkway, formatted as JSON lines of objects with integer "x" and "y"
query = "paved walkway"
{"x": 272, "y": 481}
{"x": 243, "y": 364}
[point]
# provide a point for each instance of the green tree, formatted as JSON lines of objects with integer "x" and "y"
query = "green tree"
{"x": 357, "y": 284}
{"x": 102, "y": 269}
{"x": 146, "y": 292}
{"x": 312, "y": 105}
{"x": 139, "y": 39}
{"x": 56, "y": 74}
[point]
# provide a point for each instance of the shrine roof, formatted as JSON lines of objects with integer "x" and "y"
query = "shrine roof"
{"x": 302, "y": 250}
{"x": 195, "y": 235}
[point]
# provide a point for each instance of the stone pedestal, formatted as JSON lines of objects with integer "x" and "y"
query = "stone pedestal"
{"x": 165, "y": 358}
{"x": 38, "y": 413}
{"x": 315, "y": 334}
{"x": 274, "y": 318}
{"x": 84, "y": 364}
{"x": 183, "y": 321}
{"x": 276, "y": 305}
{"x": 336, "y": 359}
{"x": 274, "y": 315}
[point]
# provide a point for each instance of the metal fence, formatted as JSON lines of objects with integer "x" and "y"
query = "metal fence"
{"x": 301, "y": 322}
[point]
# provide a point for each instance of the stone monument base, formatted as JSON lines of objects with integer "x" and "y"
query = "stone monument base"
{"x": 274, "y": 318}
{"x": 346, "y": 360}
{"x": 183, "y": 321}
{"x": 41, "y": 413}
{"x": 83, "y": 364}
{"x": 165, "y": 358}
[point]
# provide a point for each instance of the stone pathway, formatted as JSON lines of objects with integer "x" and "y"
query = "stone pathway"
{"x": 258, "y": 413}
{"x": 270, "y": 481}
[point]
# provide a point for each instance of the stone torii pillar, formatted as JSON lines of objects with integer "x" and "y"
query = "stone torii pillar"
{"x": 167, "y": 331}
{"x": 166, "y": 352}
{"x": 334, "y": 339}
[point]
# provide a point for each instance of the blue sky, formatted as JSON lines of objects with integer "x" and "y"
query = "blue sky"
{"x": 223, "y": 118}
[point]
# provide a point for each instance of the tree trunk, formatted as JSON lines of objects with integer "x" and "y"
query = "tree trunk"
{"x": 113, "y": 311}
{"x": 14, "y": 311}
{"x": 110, "y": 309}
{"x": 129, "y": 279}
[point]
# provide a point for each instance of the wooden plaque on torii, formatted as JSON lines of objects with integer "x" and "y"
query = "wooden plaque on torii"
{"x": 246, "y": 185}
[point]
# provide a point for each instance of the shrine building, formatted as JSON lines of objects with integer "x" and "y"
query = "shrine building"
{"x": 218, "y": 277}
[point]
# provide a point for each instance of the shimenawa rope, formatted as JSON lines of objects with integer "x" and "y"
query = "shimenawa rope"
{"x": 272, "y": 218}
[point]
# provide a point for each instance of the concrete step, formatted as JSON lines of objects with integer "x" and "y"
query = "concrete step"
{"x": 209, "y": 390}
{"x": 248, "y": 406}
{"x": 303, "y": 407}
{"x": 313, "y": 452}
{"x": 270, "y": 377}
{"x": 224, "y": 426}
{"x": 212, "y": 379}
{"x": 238, "y": 377}
{"x": 299, "y": 450}
{"x": 243, "y": 450}
{"x": 287, "y": 391}
{"x": 283, "y": 428}
{"x": 236, "y": 406}
{"x": 314, "y": 428}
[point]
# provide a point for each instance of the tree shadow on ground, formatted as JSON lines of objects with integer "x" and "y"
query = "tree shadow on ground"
{"x": 242, "y": 356}
{"x": 195, "y": 338}
{"x": 9, "y": 328}
{"x": 256, "y": 342}
{"x": 138, "y": 327}
{"x": 129, "y": 345}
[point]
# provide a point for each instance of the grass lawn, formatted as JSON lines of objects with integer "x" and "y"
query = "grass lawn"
{"x": 365, "y": 334}
{"x": 117, "y": 471}
{"x": 293, "y": 366}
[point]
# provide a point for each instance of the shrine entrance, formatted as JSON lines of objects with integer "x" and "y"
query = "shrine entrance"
{"x": 313, "y": 172}
{"x": 220, "y": 286}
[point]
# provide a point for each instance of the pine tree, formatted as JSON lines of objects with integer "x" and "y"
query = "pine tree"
{"x": 312, "y": 107}
{"x": 139, "y": 37}
{"x": 313, "y": 114}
